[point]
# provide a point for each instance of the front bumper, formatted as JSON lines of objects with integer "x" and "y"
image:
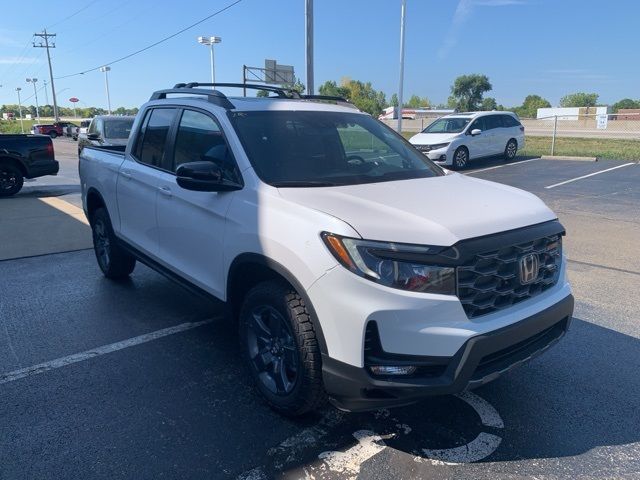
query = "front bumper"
{"x": 441, "y": 155}
{"x": 481, "y": 359}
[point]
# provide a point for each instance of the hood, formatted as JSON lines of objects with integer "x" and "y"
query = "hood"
{"x": 432, "y": 138}
{"x": 435, "y": 211}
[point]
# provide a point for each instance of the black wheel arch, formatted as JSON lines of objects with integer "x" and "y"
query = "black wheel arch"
{"x": 8, "y": 160}
{"x": 95, "y": 201}
{"x": 249, "y": 269}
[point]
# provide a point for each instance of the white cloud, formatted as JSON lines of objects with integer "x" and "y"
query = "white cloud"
{"x": 462, "y": 13}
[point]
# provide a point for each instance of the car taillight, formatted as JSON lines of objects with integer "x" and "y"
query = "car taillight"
{"x": 50, "y": 149}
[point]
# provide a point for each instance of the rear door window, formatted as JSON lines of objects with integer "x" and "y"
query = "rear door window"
{"x": 493, "y": 121}
{"x": 509, "y": 121}
{"x": 153, "y": 137}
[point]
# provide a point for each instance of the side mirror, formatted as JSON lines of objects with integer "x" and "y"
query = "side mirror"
{"x": 475, "y": 131}
{"x": 204, "y": 177}
{"x": 93, "y": 136}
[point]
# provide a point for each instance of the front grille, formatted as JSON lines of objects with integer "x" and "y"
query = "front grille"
{"x": 491, "y": 280}
{"x": 423, "y": 148}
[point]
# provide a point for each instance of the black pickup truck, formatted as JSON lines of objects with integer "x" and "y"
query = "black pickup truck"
{"x": 24, "y": 156}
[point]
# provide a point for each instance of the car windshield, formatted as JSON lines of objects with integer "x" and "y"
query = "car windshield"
{"x": 118, "y": 128}
{"x": 447, "y": 125}
{"x": 315, "y": 149}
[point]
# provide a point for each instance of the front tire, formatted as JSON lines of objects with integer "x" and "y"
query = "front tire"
{"x": 279, "y": 344}
{"x": 11, "y": 180}
{"x": 53, "y": 134}
{"x": 510, "y": 150}
{"x": 460, "y": 158}
{"x": 113, "y": 260}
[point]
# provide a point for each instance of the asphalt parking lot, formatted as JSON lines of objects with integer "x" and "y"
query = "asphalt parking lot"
{"x": 141, "y": 379}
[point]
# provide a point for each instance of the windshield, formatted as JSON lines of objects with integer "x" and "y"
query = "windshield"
{"x": 307, "y": 149}
{"x": 120, "y": 128}
{"x": 447, "y": 125}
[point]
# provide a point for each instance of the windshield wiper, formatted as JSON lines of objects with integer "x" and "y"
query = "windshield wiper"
{"x": 303, "y": 183}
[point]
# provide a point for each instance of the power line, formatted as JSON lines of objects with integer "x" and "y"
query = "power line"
{"x": 153, "y": 44}
{"x": 72, "y": 15}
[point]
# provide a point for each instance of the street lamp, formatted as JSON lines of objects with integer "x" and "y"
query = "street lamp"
{"x": 210, "y": 41}
{"x": 105, "y": 69}
{"x": 35, "y": 92}
{"x": 20, "y": 109}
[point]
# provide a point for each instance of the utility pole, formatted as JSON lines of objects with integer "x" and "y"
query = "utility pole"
{"x": 308, "y": 10}
{"x": 20, "y": 109}
{"x": 45, "y": 36}
{"x": 106, "y": 69}
{"x": 401, "y": 84}
{"x": 46, "y": 93}
{"x": 35, "y": 92}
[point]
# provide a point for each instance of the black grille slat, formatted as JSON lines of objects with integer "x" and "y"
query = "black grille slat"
{"x": 491, "y": 280}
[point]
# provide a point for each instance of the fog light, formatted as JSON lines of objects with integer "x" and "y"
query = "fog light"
{"x": 443, "y": 158}
{"x": 392, "y": 370}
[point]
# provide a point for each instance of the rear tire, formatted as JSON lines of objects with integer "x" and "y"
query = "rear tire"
{"x": 280, "y": 346}
{"x": 511, "y": 150}
{"x": 460, "y": 158}
{"x": 11, "y": 180}
{"x": 113, "y": 260}
{"x": 53, "y": 134}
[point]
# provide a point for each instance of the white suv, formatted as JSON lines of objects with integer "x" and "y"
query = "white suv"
{"x": 455, "y": 139}
{"x": 356, "y": 268}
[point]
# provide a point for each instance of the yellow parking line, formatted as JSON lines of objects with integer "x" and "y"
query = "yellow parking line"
{"x": 66, "y": 207}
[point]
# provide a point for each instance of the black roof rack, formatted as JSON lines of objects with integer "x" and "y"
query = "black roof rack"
{"x": 220, "y": 99}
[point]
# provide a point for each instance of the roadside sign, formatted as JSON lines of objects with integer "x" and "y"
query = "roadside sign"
{"x": 601, "y": 121}
{"x": 73, "y": 100}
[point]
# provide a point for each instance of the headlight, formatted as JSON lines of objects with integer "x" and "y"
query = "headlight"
{"x": 375, "y": 261}
{"x": 439, "y": 145}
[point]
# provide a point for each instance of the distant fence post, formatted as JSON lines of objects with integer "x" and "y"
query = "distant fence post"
{"x": 422, "y": 124}
{"x": 553, "y": 139}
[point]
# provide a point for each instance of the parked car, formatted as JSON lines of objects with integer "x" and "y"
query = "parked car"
{"x": 454, "y": 140}
{"x": 357, "y": 268}
{"x": 70, "y": 129}
{"x": 54, "y": 130}
{"x": 106, "y": 130}
{"x": 24, "y": 156}
{"x": 82, "y": 129}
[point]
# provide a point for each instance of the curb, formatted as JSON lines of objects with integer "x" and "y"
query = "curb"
{"x": 563, "y": 157}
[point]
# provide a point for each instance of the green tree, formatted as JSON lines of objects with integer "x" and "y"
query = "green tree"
{"x": 489, "y": 103}
{"x": 579, "y": 99}
{"x": 467, "y": 92}
{"x": 361, "y": 94}
{"x": 625, "y": 103}
{"x": 416, "y": 102}
{"x": 530, "y": 106}
{"x": 297, "y": 86}
{"x": 394, "y": 100}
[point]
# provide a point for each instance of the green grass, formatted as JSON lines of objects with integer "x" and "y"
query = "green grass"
{"x": 606, "y": 148}
{"x": 13, "y": 126}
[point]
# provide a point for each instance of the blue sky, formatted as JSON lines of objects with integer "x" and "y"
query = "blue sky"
{"x": 547, "y": 47}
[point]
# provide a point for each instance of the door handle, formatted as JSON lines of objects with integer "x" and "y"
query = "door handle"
{"x": 126, "y": 174}
{"x": 166, "y": 191}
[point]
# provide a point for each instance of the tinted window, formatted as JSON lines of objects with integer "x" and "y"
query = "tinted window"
{"x": 509, "y": 121}
{"x": 155, "y": 136}
{"x": 478, "y": 123}
{"x": 300, "y": 149}
{"x": 92, "y": 127}
{"x": 199, "y": 138}
{"x": 118, "y": 128}
{"x": 492, "y": 121}
{"x": 447, "y": 125}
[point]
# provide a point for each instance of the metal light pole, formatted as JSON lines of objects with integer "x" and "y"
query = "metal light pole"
{"x": 309, "y": 44}
{"x": 20, "y": 109}
{"x": 35, "y": 92}
{"x": 402, "y": 18}
{"x": 105, "y": 69}
{"x": 210, "y": 42}
{"x": 46, "y": 93}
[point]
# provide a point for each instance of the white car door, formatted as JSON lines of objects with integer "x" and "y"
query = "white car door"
{"x": 138, "y": 180}
{"x": 477, "y": 144}
{"x": 191, "y": 224}
{"x": 498, "y": 135}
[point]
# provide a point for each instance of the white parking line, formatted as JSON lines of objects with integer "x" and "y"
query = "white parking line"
{"x": 501, "y": 166}
{"x": 590, "y": 175}
{"x": 96, "y": 352}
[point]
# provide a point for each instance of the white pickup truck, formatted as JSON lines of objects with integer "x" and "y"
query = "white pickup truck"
{"x": 357, "y": 269}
